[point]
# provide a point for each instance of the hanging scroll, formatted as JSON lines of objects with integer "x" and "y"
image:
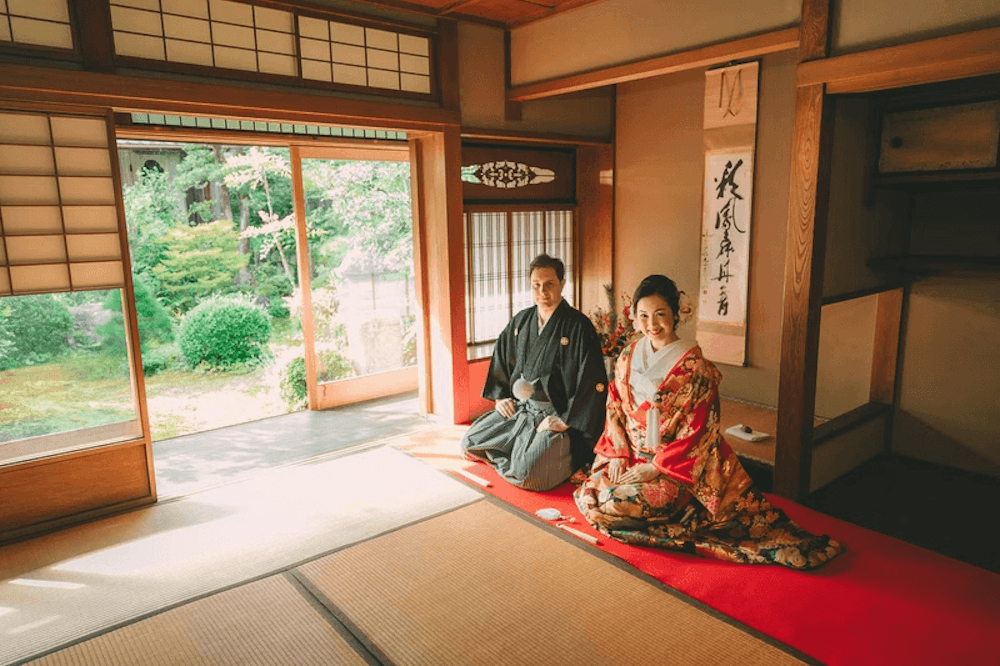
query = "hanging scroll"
{"x": 730, "y": 140}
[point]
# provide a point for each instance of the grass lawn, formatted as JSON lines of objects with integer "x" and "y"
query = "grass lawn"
{"x": 89, "y": 390}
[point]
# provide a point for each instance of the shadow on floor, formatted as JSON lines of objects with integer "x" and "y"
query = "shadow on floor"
{"x": 946, "y": 510}
{"x": 195, "y": 462}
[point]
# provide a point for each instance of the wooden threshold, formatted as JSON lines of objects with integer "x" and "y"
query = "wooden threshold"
{"x": 741, "y": 49}
{"x": 848, "y": 420}
{"x": 965, "y": 55}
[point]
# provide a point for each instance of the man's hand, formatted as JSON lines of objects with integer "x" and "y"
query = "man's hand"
{"x": 553, "y": 423}
{"x": 506, "y": 407}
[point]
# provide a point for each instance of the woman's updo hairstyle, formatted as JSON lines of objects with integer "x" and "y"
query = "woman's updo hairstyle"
{"x": 660, "y": 285}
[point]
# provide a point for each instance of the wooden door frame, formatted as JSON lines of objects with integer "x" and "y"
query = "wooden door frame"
{"x": 357, "y": 389}
{"x": 969, "y": 54}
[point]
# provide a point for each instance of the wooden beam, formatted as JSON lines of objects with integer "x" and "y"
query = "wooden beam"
{"x": 546, "y": 138}
{"x": 805, "y": 251}
{"x": 447, "y": 66}
{"x": 717, "y": 54}
{"x": 141, "y": 94}
{"x": 888, "y": 314}
{"x": 305, "y": 277}
{"x": 969, "y": 54}
{"x": 95, "y": 34}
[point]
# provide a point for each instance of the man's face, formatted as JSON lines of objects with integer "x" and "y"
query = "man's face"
{"x": 546, "y": 288}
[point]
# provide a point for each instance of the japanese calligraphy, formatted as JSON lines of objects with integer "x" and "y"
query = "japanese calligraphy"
{"x": 725, "y": 241}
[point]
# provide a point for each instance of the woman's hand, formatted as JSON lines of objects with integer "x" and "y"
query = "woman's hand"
{"x": 615, "y": 468}
{"x": 640, "y": 473}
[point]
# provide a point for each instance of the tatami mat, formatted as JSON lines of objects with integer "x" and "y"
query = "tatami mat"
{"x": 480, "y": 585}
{"x": 67, "y": 585}
{"x": 260, "y": 624}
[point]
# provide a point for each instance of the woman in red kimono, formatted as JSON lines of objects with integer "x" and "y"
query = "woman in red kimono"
{"x": 663, "y": 474}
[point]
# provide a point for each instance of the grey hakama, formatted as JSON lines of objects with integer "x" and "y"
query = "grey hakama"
{"x": 564, "y": 365}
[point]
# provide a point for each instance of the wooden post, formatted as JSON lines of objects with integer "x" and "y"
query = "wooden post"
{"x": 804, "y": 261}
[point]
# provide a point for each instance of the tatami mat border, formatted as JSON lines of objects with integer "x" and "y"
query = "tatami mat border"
{"x": 286, "y": 570}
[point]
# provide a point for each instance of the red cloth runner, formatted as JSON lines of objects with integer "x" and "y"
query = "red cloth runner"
{"x": 882, "y": 602}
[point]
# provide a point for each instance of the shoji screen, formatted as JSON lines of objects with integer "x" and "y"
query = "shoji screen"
{"x": 58, "y": 220}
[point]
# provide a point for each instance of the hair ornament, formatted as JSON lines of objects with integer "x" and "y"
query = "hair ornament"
{"x": 685, "y": 308}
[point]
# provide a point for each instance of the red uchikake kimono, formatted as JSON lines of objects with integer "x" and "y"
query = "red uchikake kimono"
{"x": 703, "y": 501}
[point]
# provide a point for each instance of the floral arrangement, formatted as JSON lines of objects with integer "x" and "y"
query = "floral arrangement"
{"x": 614, "y": 327}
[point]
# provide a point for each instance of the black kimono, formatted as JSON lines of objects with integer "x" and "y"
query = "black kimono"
{"x": 564, "y": 365}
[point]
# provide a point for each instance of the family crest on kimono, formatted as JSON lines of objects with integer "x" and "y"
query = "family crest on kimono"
{"x": 548, "y": 379}
{"x": 663, "y": 474}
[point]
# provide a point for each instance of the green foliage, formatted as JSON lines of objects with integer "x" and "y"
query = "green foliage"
{"x": 276, "y": 288}
{"x": 33, "y": 329}
{"x": 161, "y": 358}
{"x": 221, "y": 332}
{"x": 199, "y": 260}
{"x": 292, "y": 384}
{"x": 372, "y": 199}
{"x": 155, "y": 324}
{"x": 152, "y": 209}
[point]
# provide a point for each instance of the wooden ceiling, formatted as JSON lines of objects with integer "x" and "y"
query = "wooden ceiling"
{"x": 500, "y": 13}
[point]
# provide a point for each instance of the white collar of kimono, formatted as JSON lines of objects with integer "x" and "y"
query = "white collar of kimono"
{"x": 649, "y": 368}
{"x": 543, "y": 322}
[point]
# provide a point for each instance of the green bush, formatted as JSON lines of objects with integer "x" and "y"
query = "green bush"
{"x": 292, "y": 383}
{"x": 221, "y": 332}
{"x": 155, "y": 324}
{"x": 33, "y": 329}
{"x": 161, "y": 358}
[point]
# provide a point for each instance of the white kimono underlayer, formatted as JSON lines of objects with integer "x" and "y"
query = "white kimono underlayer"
{"x": 648, "y": 371}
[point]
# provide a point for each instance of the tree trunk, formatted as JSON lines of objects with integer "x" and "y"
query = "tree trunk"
{"x": 225, "y": 203}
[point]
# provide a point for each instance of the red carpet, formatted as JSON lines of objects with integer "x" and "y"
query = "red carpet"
{"x": 882, "y": 602}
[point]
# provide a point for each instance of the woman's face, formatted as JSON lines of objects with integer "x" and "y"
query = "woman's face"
{"x": 655, "y": 320}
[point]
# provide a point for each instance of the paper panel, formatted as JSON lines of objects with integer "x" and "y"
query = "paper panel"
{"x": 26, "y": 160}
{"x": 31, "y": 219}
{"x": 83, "y": 161}
{"x": 139, "y": 46}
{"x": 381, "y": 39}
{"x": 28, "y": 190}
{"x": 276, "y": 42}
{"x": 273, "y": 19}
{"x": 381, "y": 79}
{"x": 235, "y": 58}
{"x": 90, "y": 218}
{"x": 189, "y": 52}
{"x": 278, "y": 64}
{"x": 84, "y": 132}
{"x": 27, "y": 128}
{"x": 93, "y": 247}
{"x": 190, "y": 29}
{"x": 415, "y": 83}
{"x": 351, "y": 75}
{"x": 231, "y": 12}
{"x": 80, "y": 191}
{"x": 35, "y": 249}
{"x": 195, "y": 8}
{"x": 107, "y": 274}
{"x": 414, "y": 45}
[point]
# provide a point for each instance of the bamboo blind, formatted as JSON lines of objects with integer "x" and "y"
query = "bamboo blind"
{"x": 499, "y": 248}
{"x": 59, "y": 227}
{"x": 235, "y": 35}
{"x": 36, "y": 22}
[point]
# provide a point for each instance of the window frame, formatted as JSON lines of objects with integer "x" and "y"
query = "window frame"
{"x": 475, "y": 349}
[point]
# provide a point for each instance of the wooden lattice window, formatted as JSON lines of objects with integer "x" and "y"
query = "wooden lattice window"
{"x": 59, "y": 227}
{"x": 44, "y": 23}
{"x": 269, "y": 42}
{"x": 499, "y": 247}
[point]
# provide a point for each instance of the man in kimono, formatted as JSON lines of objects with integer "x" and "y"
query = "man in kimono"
{"x": 548, "y": 379}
